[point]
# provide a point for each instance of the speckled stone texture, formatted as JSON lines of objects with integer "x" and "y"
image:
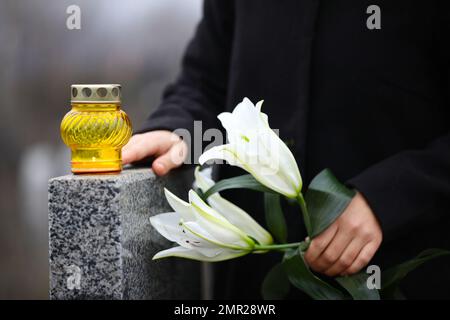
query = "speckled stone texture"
{"x": 101, "y": 240}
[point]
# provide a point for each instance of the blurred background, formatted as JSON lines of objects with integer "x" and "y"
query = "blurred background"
{"x": 136, "y": 43}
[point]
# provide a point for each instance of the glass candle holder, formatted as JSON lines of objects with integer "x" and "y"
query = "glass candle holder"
{"x": 96, "y": 128}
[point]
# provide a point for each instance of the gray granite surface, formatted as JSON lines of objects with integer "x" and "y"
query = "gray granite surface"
{"x": 101, "y": 240}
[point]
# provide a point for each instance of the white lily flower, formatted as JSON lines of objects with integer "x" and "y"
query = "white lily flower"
{"x": 202, "y": 233}
{"x": 256, "y": 148}
{"x": 230, "y": 211}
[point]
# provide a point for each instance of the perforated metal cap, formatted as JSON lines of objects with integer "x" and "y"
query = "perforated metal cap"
{"x": 96, "y": 93}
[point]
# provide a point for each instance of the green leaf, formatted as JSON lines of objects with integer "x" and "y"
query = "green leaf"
{"x": 326, "y": 199}
{"x": 274, "y": 217}
{"x": 391, "y": 277}
{"x": 302, "y": 277}
{"x": 245, "y": 181}
{"x": 356, "y": 285}
{"x": 276, "y": 284}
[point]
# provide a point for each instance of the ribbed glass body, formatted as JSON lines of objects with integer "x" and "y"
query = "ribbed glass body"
{"x": 96, "y": 133}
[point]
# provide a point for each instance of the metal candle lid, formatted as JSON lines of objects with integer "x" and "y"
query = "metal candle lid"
{"x": 96, "y": 93}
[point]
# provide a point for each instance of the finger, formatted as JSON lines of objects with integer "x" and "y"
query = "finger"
{"x": 139, "y": 147}
{"x": 332, "y": 253}
{"x": 363, "y": 258}
{"x": 171, "y": 159}
{"x": 144, "y": 145}
{"x": 148, "y": 144}
{"x": 320, "y": 243}
{"x": 347, "y": 258}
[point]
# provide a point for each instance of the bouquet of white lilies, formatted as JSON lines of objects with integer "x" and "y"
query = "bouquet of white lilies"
{"x": 211, "y": 228}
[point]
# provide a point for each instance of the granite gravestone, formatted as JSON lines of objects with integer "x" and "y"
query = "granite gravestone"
{"x": 101, "y": 241}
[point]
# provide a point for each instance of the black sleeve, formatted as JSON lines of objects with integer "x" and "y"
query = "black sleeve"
{"x": 200, "y": 90}
{"x": 409, "y": 189}
{"x": 412, "y": 188}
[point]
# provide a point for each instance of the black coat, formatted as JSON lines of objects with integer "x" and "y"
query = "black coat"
{"x": 371, "y": 105}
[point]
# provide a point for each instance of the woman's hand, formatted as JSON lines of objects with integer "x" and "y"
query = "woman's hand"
{"x": 168, "y": 148}
{"x": 347, "y": 245}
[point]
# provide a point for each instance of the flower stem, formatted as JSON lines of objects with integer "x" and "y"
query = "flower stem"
{"x": 277, "y": 246}
{"x": 304, "y": 209}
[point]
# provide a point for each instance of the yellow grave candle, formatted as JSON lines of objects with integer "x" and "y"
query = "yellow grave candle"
{"x": 96, "y": 128}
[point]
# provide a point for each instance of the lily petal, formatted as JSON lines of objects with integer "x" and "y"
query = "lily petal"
{"x": 217, "y": 225}
{"x": 195, "y": 199}
{"x": 241, "y": 219}
{"x": 170, "y": 227}
{"x": 223, "y": 152}
{"x": 256, "y": 148}
{"x": 167, "y": 224}
{"x": 180, "y": 206}
{"x": 199, "y": 231}
{"x": 203, "y": 178}
{"x": 231, "y": 212}
{"x": 195, "y": 255}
